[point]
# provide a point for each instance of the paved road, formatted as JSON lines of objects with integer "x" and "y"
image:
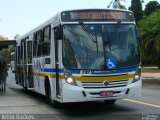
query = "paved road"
{"x": 15, "y": 103}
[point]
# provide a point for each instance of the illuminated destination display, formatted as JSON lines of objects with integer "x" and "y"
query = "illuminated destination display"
{"x": 97, "y": 15}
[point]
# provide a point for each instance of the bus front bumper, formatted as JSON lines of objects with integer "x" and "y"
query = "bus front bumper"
{"x": 79, "y": 94}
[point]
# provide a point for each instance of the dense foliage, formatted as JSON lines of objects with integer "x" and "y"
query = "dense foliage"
{"x": 150, "y": 39}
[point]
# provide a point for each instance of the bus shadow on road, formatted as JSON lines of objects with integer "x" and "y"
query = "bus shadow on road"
{"x": 81, "y": 108}
{"x": 92, "y": 108}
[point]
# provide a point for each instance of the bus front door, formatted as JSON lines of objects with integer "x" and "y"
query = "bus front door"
{"x": 29, "y": 73}
{"x": 57, "y": 63}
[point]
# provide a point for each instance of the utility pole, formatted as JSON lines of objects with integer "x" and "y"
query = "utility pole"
{"x": 116, "y": 4}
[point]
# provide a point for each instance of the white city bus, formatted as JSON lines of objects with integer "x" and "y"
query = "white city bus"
{"x": 81, "y": 55}
{"x": 12, "y": 61}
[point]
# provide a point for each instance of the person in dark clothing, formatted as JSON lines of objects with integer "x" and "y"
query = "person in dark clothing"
{"x": 3, "y": 75}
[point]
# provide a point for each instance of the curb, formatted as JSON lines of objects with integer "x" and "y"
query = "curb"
{"x": 151, "y": 80}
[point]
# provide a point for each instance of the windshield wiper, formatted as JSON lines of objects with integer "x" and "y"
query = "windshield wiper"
{"x": 112, "y": 36}
{"x": 87, "y": 32}
{"x": 91, "y": 36}
{"x": 115, "y": 29}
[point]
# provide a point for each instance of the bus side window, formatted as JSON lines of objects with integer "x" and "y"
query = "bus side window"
{"x": 38, "y": 40}
{"x": 47, "y": 40}
{"x": 47, "y": 34}
{"x": 39, "y": 49}
{"x": 35, "y": 44}
{"x": 58, "y": 32}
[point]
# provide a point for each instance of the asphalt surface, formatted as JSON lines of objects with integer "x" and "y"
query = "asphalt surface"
{"x": 16, "y": 104}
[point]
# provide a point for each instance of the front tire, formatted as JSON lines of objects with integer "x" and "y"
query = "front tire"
{"x": 50, "y": 101}
{"x": 110, "y": 102}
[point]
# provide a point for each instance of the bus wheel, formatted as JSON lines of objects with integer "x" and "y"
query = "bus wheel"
{"x": 4, "y": 86}
{"x": 50, "y": 101}
{"x": 109, "y": 102}
{"x": 26, "y": 89}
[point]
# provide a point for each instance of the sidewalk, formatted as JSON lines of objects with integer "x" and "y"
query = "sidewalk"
{"x": 151, "y": 76}
{"x": 151, "y": 80}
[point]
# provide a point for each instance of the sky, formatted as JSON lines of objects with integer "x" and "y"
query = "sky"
{"x": 21, "y": 16}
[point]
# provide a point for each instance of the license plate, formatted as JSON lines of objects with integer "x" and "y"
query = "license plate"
{"x": 106, "y": 93}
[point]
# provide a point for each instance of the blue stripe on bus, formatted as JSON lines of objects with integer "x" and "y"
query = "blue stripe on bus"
{"x": 107, "y": 71}
{"x": 94, "y": 71}
{"x": 52, "y": 70}
{"x": 75, "y": 71}
{"x": 114, "y": 71}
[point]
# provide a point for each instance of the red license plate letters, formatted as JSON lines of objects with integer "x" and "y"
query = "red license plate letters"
{"x": 106, "y": 93}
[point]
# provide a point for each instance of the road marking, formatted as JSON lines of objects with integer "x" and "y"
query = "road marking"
{"x": 143, "y": 103}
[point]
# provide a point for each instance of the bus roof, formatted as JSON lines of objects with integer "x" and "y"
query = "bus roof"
{"x": 57, "y": 19}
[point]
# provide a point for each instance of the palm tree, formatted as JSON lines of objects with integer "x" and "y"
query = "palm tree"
{"x": 116, "y": 3}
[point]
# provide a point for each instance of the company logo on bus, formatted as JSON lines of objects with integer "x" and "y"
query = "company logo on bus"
{"x": 106, "y": 83}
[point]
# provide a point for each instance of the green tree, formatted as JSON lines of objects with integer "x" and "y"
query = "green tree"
{"x": 136, "y": 8}
{"x": 150, "y": 39}
{"x": 11, "y": 48}
{"x": 151, "y": 7}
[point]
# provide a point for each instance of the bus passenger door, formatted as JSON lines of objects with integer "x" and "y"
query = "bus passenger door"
{"x": 17, "y": 62}
{"x": 57, "y": 62}
{"x": 29, "y": 73}
{"x": 21, "y": 70}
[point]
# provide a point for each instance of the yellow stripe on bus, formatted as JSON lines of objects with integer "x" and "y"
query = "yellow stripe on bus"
{"x": 42, "y": 74}
{"x": 49, "y": 75}
{"x": 101, "y": 79}
{"x": 90, "y": 78}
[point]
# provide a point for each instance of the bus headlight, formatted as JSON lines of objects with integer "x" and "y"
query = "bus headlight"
{"x": 137, "y": 75}
{"x": 69, "y": 79}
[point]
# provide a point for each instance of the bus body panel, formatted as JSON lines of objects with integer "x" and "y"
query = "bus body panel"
{"x": 75, "y": 94}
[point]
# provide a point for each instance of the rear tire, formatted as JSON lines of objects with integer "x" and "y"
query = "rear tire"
{"x": 4, "y": 87}
{"x": 26, "y": 87}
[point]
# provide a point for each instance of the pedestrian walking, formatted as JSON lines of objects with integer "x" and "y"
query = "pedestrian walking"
{"x": 3, "y": 75}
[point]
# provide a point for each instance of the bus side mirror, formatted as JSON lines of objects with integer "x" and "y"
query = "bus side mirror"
{"x": 58, "y": 33}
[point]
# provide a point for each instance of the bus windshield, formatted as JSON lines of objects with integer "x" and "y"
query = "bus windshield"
{"x": 100, "y": 46}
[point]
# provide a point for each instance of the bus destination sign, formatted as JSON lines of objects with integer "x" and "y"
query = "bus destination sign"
{"x": 99, "y": 15}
